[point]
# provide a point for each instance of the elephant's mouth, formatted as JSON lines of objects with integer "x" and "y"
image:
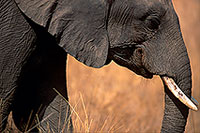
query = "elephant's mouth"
{"x": 131, "y": 56}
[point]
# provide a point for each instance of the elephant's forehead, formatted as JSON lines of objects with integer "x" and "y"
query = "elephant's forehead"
{"x": 150, "y": 3}
{"x": 138, "y": 8}
{"x": 145, "y": 4}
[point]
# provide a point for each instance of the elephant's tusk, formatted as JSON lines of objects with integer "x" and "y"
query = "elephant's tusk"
{"x": 178, "y": 93}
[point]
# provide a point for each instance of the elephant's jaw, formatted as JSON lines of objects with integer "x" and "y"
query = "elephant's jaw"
{"x": 176, "y": 91}
{"x": 132, "y": 57}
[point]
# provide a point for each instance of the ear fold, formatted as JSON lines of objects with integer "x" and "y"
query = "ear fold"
{"x": 78, "y": 25}
{"x": 37, "y": 10}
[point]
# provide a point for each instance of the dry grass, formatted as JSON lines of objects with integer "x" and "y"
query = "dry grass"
{"x": 114, "y": 99}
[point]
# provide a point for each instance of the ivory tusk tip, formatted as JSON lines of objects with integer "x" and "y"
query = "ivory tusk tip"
{"x": 177, "y": 92}
{"x": 194, "y": 108}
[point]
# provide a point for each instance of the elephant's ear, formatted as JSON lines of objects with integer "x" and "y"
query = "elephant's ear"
{"x": 78, "y": 25}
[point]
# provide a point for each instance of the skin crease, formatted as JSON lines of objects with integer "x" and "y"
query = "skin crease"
{"x": 141, "y": 35}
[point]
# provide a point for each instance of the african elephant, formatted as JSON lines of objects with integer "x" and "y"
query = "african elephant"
{"x": 37, "y": 35}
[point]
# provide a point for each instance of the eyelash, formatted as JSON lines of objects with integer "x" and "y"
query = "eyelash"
{"x": 152, "y": 22}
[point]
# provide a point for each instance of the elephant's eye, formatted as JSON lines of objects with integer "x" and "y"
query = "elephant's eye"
{"x": 152, "y": 22}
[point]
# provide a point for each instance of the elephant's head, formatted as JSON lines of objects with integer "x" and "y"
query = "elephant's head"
{"x": 142, "y": 35}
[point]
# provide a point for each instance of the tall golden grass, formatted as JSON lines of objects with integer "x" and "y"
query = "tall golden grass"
{"x": 114, "y": 99}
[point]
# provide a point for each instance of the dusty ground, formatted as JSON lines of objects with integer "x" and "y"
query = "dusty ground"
{"x": 116, "y": 99}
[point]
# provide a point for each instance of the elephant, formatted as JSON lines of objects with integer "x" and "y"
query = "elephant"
{"x": 37, "y": 35}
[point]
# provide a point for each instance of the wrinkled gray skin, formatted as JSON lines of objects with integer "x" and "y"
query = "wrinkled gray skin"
{"x": 37, "y": 35}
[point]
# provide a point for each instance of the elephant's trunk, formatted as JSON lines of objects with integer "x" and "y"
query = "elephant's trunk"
{"x": 166, "y": 55}
{"x": 176, "y": 113}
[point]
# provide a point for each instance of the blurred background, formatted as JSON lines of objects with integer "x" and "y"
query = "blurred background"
{"x": 117, "y": 100}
